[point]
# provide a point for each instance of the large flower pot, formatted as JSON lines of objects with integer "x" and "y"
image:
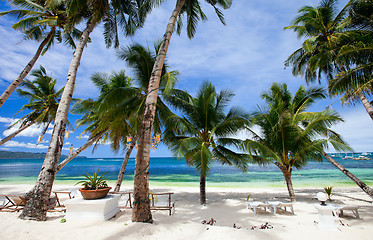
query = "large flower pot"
{"x": 94, "y": 194}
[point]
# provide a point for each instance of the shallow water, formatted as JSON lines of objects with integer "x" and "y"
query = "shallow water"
{"x": 174, "y": 172}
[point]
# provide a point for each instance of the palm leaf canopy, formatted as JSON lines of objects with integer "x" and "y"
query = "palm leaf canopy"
{"x": 289, "y": 135}
{"x": 193, "y": 12}
{"x": 37, "y": 19}
{"x": 119, "y": 108}
{"x": 204, "y": 132}
{"x": 43, "y": 98}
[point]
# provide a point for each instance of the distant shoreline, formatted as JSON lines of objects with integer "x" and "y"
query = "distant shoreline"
{"x": 26, "y": 155}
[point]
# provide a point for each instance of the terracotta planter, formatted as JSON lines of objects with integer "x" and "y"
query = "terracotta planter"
{"x": 94, "y": 194}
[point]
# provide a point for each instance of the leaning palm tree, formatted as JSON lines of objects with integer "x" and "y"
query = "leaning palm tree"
{"x": 43, "y": 102}
{"x": 358, "y": 48}
{"x": 193, "y": 11}
{"x": 290, "y": 136}
{"x": 94, "y": 11}
{"x": 204, "y": 133}
{"x": 117, "y": 112}
{"x": 42, "y": 21}
{"x": 325, "y": 30}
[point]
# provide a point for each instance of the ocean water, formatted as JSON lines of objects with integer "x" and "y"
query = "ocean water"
{"x": 174, "y": 172}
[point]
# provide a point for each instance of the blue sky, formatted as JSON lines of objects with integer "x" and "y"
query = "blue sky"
{"x": 246, "y": 56}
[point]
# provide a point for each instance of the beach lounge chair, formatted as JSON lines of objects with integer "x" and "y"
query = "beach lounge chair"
{"x": 54, "y": 205}
{"x": 12, "y": 203}
{"x": 66, "y": 195}
{"x": 354, "y": 210}
{"x": 61, "y": 196}
{"x": 253, "y": 205}
{"x": 275, "y": 205}
{"x": 125, "y": 200}
{"x": 162, "y": 201}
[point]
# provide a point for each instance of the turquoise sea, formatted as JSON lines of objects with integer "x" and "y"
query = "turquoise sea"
{"x": 174, "y": 172}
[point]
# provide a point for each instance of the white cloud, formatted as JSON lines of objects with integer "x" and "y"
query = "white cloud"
{"x": 32, "y": 131}
{"x": 82, "y": 136}
{"x": 8, "y": 121}
{"x": 15, "y": 144}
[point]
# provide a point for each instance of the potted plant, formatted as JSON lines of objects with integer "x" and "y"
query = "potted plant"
{"x": 94, "y": 187}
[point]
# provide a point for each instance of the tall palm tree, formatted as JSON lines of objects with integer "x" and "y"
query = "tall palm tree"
{"x": 290, "y": 135}
{"x": 193, "y": 11}
{"x": 43, "y": 102}
{"x": 324, "y": 29}
{"x": 42, "y": 21}
{"x": 94, "y": 11}
{"x": 141, "y": 60}
{"x": 204, "y": 133}
{"x": 120, "y": 104}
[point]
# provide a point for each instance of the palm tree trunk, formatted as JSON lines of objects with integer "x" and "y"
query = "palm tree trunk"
{"x": 289, "y": 183}
{"x": 287, "y": 175}
{"x": 141, "y": 208}
{"x": 124, "y": 165}
{"x": 81, "y": 149}
{"x": 44, "y": 131}
{"x": 202, "y": 190}
{"x": 26, "y": 70}
{"x": 37, "y": 198}
{"x": 366, "y": 104}
{"x": 356, "y": 180}
{"x": 16, "y": 133}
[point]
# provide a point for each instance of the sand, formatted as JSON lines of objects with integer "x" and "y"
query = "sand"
{"x": 226, "y": 206}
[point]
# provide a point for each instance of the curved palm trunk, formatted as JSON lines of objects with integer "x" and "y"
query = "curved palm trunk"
{"x": 289, "y": 184}
{"x": 15, "y": 133}
{"x": 44, "y": 131}
{"x": 356, "y": 180}
{"x": 366, "y": 104}
{"x": 26, "y": 70}
{"x": 287, "y": 175}
{"x": 123, "y": 167}
{"x": 37, "y": 198}
{"x": 141, "y": 207}
{"x": 202, "y": 190}
{"x": 81, "y": 149}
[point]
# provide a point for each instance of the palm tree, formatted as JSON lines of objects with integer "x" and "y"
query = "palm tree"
{"x": 289, "y": 135}
{"x": 42, "y": 21}
{"x": 94, "y": 11}
{"x": 43, "y": 102}
{"x": 324, "y": 29}
{"x": 194, "y": 13}
{"x": 204, "y": 133}
{"x": 118, "y": 95}
{"x": 358, "y": 49}
{"x": 141, "y": 60}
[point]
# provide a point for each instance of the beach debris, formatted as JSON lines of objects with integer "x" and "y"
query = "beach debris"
{"x": 63, "y": 220}
{"x": 211, "y": 222}
{"x": 234, "y": 226}
{"x": 263, "y": 226}
{"x": 266, "y": 226}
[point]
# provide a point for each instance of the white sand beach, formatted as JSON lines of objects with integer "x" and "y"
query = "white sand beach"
{"x": 226, "y": 206}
